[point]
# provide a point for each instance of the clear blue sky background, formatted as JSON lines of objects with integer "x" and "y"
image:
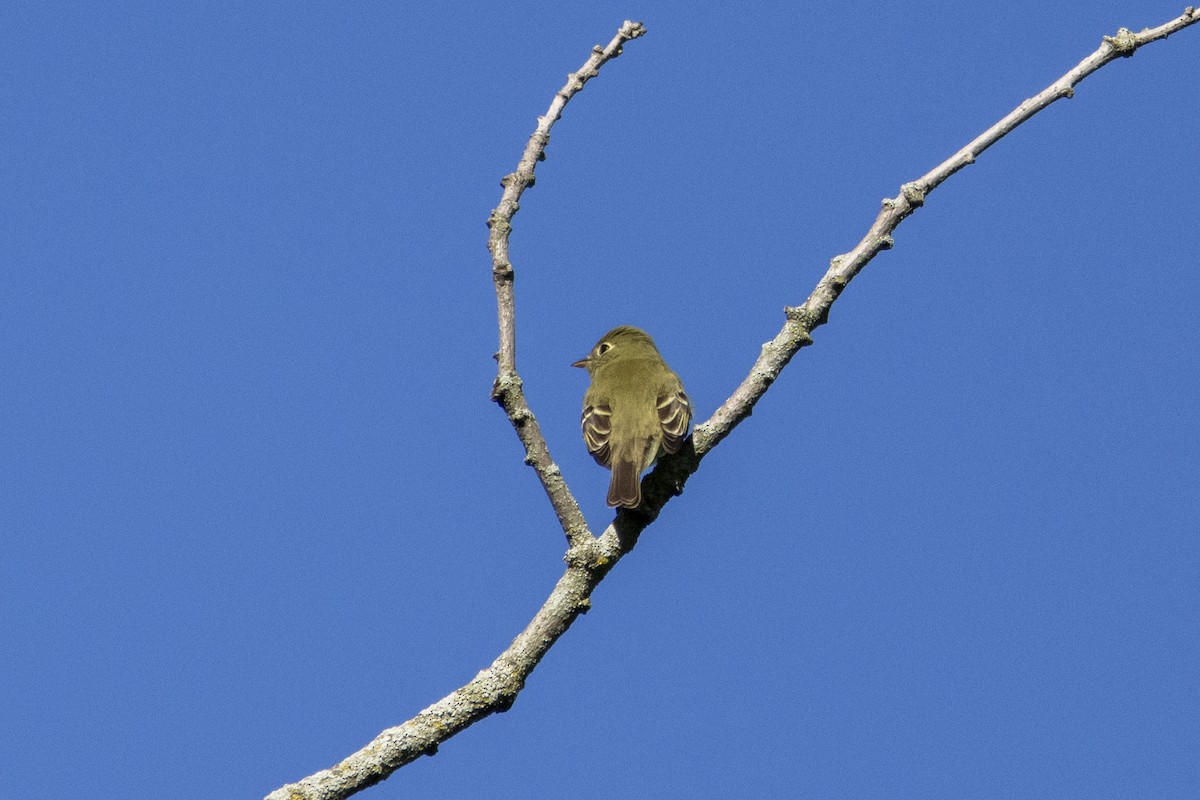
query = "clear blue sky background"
{"x": 257, "y": 506}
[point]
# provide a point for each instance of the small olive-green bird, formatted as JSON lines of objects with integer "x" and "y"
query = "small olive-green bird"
{"x": 634, "y": 410}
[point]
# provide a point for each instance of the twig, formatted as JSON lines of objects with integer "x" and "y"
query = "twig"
{"x": 589, "y": 559}
{"x": 495, "y": 688}
{"x": 803, "y": 320}
{"x": 507, "y": 390}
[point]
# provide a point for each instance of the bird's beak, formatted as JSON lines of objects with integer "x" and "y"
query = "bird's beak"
{"x": 583, "y": 362}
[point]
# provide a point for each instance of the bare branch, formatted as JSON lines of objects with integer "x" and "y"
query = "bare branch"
{"x": 495, "y": 688}
{"x": 492, "y": 690}
{"x": 589, "y": 559}
{"x": 507, "y": 390}
{"x": 802, "y": 320}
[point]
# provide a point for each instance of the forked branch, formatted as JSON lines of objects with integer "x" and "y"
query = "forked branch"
{"x": 590, "y": 558}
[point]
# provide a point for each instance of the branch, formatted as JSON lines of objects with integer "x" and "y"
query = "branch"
{"x": 507, "y": 390}
{"x": 803, "y": 320}
{"x": 495, "y": 688}
{"x": 589, "y": 559}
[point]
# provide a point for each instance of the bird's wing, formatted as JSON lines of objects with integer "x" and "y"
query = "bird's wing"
{"x": 674, "y": 415}
{"x": 597, "y": 425}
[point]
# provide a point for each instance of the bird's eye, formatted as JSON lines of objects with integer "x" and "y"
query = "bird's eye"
{"x": 603, "y": 348}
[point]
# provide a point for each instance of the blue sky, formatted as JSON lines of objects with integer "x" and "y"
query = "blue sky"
{"x": 257, "y": 505}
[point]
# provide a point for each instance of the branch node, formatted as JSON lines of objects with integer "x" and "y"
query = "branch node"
{"x": 914, "y": 194}
{"x": 886, "y": 242}
{"x": 1125, "y": 42}
{"x": 503, "y": 385}
{"x": 578, "y": 556}
{"x": 498, "y": 219}
{"x": 632, "y": 30}
{"x": 803, "y": 319}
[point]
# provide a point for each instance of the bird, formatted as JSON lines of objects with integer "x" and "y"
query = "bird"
{"x": 634, "y": 410}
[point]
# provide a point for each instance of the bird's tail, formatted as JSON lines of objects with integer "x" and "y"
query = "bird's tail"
{"x": 625, "y": 488}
